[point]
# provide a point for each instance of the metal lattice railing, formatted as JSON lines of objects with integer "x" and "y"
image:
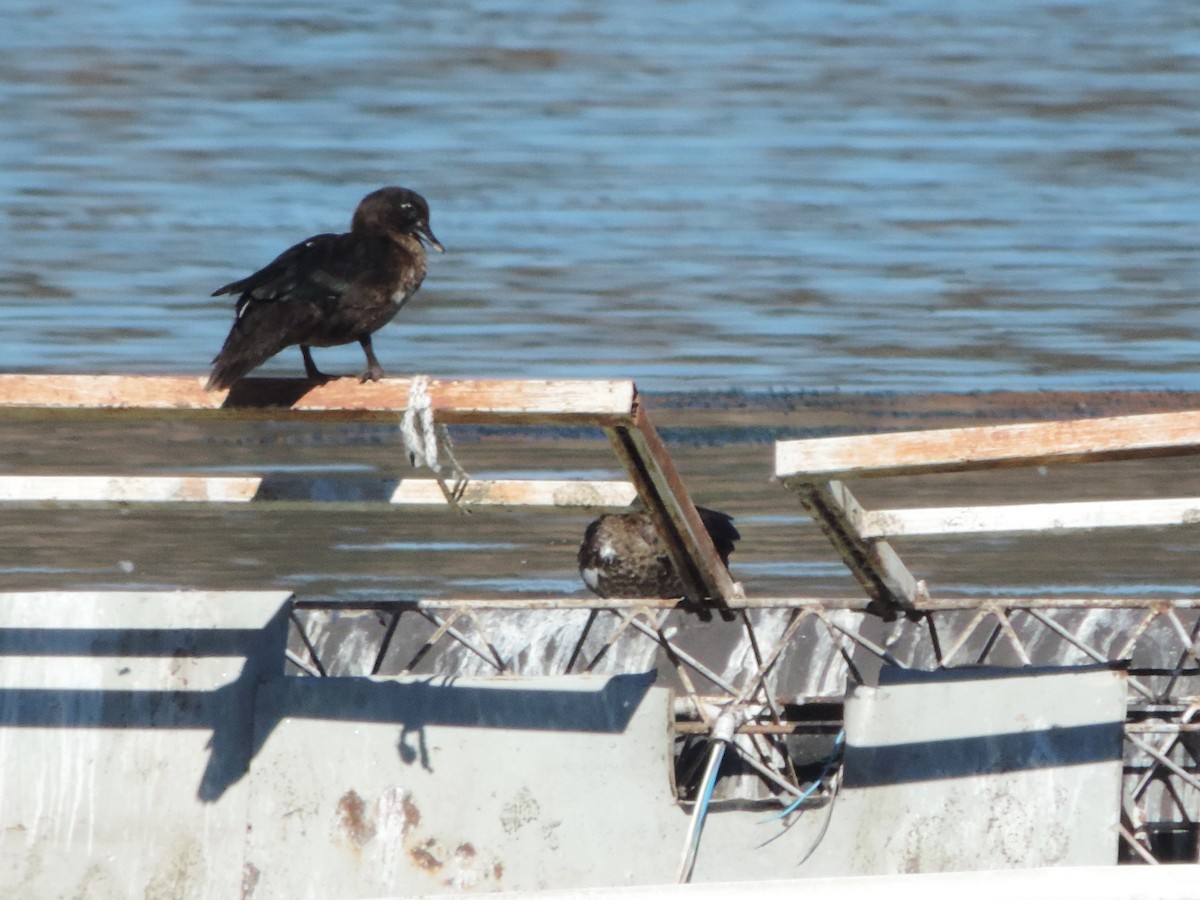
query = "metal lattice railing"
{"x": 787, "y": 663}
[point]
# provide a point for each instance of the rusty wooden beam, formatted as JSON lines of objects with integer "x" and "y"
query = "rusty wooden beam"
{"x": 662, "y": 491}
{"x": 873, "y": 563}
{"x": 453, "y": 401}
{"x": 989, "y": 447}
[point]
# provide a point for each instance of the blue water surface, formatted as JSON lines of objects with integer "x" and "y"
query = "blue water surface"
{"x": 819, "y": 195}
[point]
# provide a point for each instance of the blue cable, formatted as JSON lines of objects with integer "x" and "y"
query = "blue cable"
{"x": 808, "y": 792}
{"x": 701, "y": 811}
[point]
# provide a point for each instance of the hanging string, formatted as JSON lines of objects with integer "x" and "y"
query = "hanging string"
{"x": 421, "y": 444}
{"x": 426, "y": 442}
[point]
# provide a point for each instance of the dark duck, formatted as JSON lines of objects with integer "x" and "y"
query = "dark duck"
{"x": 623, "y": 556}
{"x": 330, "y": 289}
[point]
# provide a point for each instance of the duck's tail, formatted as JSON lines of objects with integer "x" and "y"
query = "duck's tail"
{"x": 229, "y": 368}
{"x": 721, "y": 529}
{"x": 257, "y": 335}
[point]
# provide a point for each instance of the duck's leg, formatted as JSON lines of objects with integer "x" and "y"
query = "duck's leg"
{"x": 310, "y": 367}
{"x": 374, "y": 369}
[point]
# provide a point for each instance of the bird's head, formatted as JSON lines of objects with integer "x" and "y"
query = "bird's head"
{"x": 395, "y": 210}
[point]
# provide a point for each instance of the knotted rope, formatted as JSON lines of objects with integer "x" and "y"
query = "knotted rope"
{"x": 426, "y": 441}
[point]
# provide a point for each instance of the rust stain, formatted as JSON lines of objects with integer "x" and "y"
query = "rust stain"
{"x": 412, "y": 815}
{"x": 352, "y": 819}
{"x": 470, "y": 869}
{"x": 423, "y": 856}
{"x": 462, "y": 868}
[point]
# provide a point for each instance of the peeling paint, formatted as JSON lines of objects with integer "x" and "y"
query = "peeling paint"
{"x": 412, "y": 815}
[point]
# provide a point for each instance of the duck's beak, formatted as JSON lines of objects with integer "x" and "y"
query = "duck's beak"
{"x": 424, "y": 231}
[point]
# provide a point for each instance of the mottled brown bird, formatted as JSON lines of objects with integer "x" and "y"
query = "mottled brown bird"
{"x": 623, "y": 556}
{"x": 330, "y": 289}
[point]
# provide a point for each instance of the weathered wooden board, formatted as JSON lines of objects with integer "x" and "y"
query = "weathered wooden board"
{"x": 671, "y": 509}
{"x": 873, "y": 563}
{"x": 90, "y": 489}
{"x": 612, "y": 405}
{"x": 68, "y": 489}
{"x": 994, "y": 446}
{"x": 452, "y": 401}
{"x": 1018, "y": 517}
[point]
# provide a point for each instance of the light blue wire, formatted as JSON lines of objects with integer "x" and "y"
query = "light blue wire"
{"x": 811, "y": 789}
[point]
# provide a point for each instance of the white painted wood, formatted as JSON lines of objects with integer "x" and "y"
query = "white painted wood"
{"x": 516, "y": 492}
{"x": 989, "y": 447}
{"x": 1029, "y": 517}
{"x": 126, "y": 489}
{"x": 87, "y": 489}
{"x": 463, "y": 401}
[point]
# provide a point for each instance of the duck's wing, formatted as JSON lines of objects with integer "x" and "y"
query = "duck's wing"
{"x": 316, "y": 270}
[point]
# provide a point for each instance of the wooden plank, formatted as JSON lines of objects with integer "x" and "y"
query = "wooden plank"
{"x": 69, "y": 489}
{"x": 516, "y": 492}
{"x": 83, "y": 489}
{"x": 453, "y": 401}
{"x": 873, "y": 563}
{"x": 1018, "y": 517}
{"x": 988, "y": 447}
{"x": 662, "y": 491}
